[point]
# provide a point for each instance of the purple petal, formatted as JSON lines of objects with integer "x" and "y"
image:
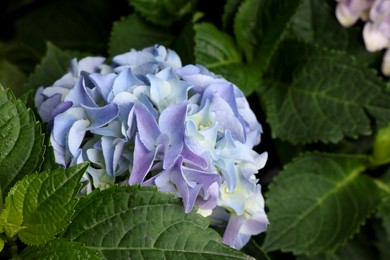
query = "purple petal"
{"x": 147, "y": 126}
{"x": 231, "y": 236}
{"x": 142, "y": 163}
{"x": 171, "y": 123}
{"x": 79, "y": 94}
{"x": 61, "y": 108}
{"x": 103, "y": 83}
{"x": 100, "y": 116}
{"x": 193, "y": 158}
{"x": 46, "y": 107}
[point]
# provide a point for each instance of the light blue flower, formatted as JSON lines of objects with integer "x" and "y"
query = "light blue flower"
{"x": 147, "y": 120}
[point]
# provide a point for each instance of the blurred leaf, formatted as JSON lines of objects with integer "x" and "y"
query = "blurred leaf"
{"x": 53, "y": 66}
{"x": 316, "y": 22}
{"x": 12, "y": 77}
{"x": 131, "y": 222}
{"x": 384, "y": 209}
{"x": 318, "y": 202}
{"x": 163, "y": 12}
{"x": 229, "y": 11}
{"x": 133, "y": 32}
{"x": 83, "y": 25}
{"x": 313, "y": 94}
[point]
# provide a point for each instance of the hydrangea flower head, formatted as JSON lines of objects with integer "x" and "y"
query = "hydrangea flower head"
{"x": 148, "y": 120}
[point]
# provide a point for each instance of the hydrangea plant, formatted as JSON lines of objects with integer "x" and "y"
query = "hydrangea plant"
{"x": 148, "y": 120}
{"x": 376, "y": 32}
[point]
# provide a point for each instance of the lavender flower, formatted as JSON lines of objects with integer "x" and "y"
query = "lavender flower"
{"x": 147, "y": 120}
{"x": 349, "y": 11}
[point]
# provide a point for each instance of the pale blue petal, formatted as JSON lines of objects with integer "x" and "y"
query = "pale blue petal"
{"x": 100, "y": 116}
{"x": 76, "y": 135}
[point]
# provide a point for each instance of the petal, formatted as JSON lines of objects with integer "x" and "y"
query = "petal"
{"x": 59, "y": 152}
{"x": 231, "y": 236}
{"x": 63, "y": 122}
{"x": 100, "y": 116}
{"x": 103, "y": 83}
{"x": 374, "y": 38}
{"x": 124, "y": 81}
{"x": 76, "y": 135}
{"x": 171, "y": 123}
{"x": 90, "y": 64}
{"x": 148, "y": 130}
{"x": 46, "y": 107}
{"x": 79, "y": 94}
{"x": 142, "y": 162}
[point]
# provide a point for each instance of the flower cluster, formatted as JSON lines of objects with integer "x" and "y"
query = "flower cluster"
{"x": 376, "y": 32}
{"x": 147, "y": 120}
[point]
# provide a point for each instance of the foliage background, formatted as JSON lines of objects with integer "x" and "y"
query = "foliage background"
{"x": 323, "y": 104}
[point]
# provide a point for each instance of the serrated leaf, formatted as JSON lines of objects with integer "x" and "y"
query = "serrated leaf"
{"x": 214, "y": 48}
{"x": 21, "y": 141}
{"x": 318, "y": 202}
{"x": 42, "y": 204}
{"x": 316, "y": 22}
{"x": 313, "y": 94}
{"x": 132, "y": 222}
{"x": 259, "y": 26}
{"x": 59, "y": 249}
{"x": 11, "y": 217}
{"x": 55, "y": 64}
{"x": 133, "y": 32}
{"x": 165, "y": 12}
{"x": 217, "y": 51}
{"x": 49, "y": 202}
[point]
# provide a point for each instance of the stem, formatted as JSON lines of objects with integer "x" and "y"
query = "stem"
{"x": 382, "y": 186}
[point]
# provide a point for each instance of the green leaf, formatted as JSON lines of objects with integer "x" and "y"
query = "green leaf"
{"x": 134, "y": 32}
{"x": 214, "y": 48}
{"x": 246, "y": 77}
{"x": 164, "y": 12}
{"x": 260, "y": 25}
{"x": 59, "y": 249}
{"x": 131, "y": 222}
{"x": 229, "y": 11}
{"x": 360, "y": 248}
{"x": 384, "y": 208}
{"x": 318, "y": 202}
{"x": 42, "y": 204}
{"x": 21, "y": 141}
{"x": 53, "y": 66}
{"x": 316, "y": 22}
{"x": 81, "y": 25}
{"x": 313, "y": 94}
{"x": 217, "y": 51}
{"x": 12, "y": 77}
